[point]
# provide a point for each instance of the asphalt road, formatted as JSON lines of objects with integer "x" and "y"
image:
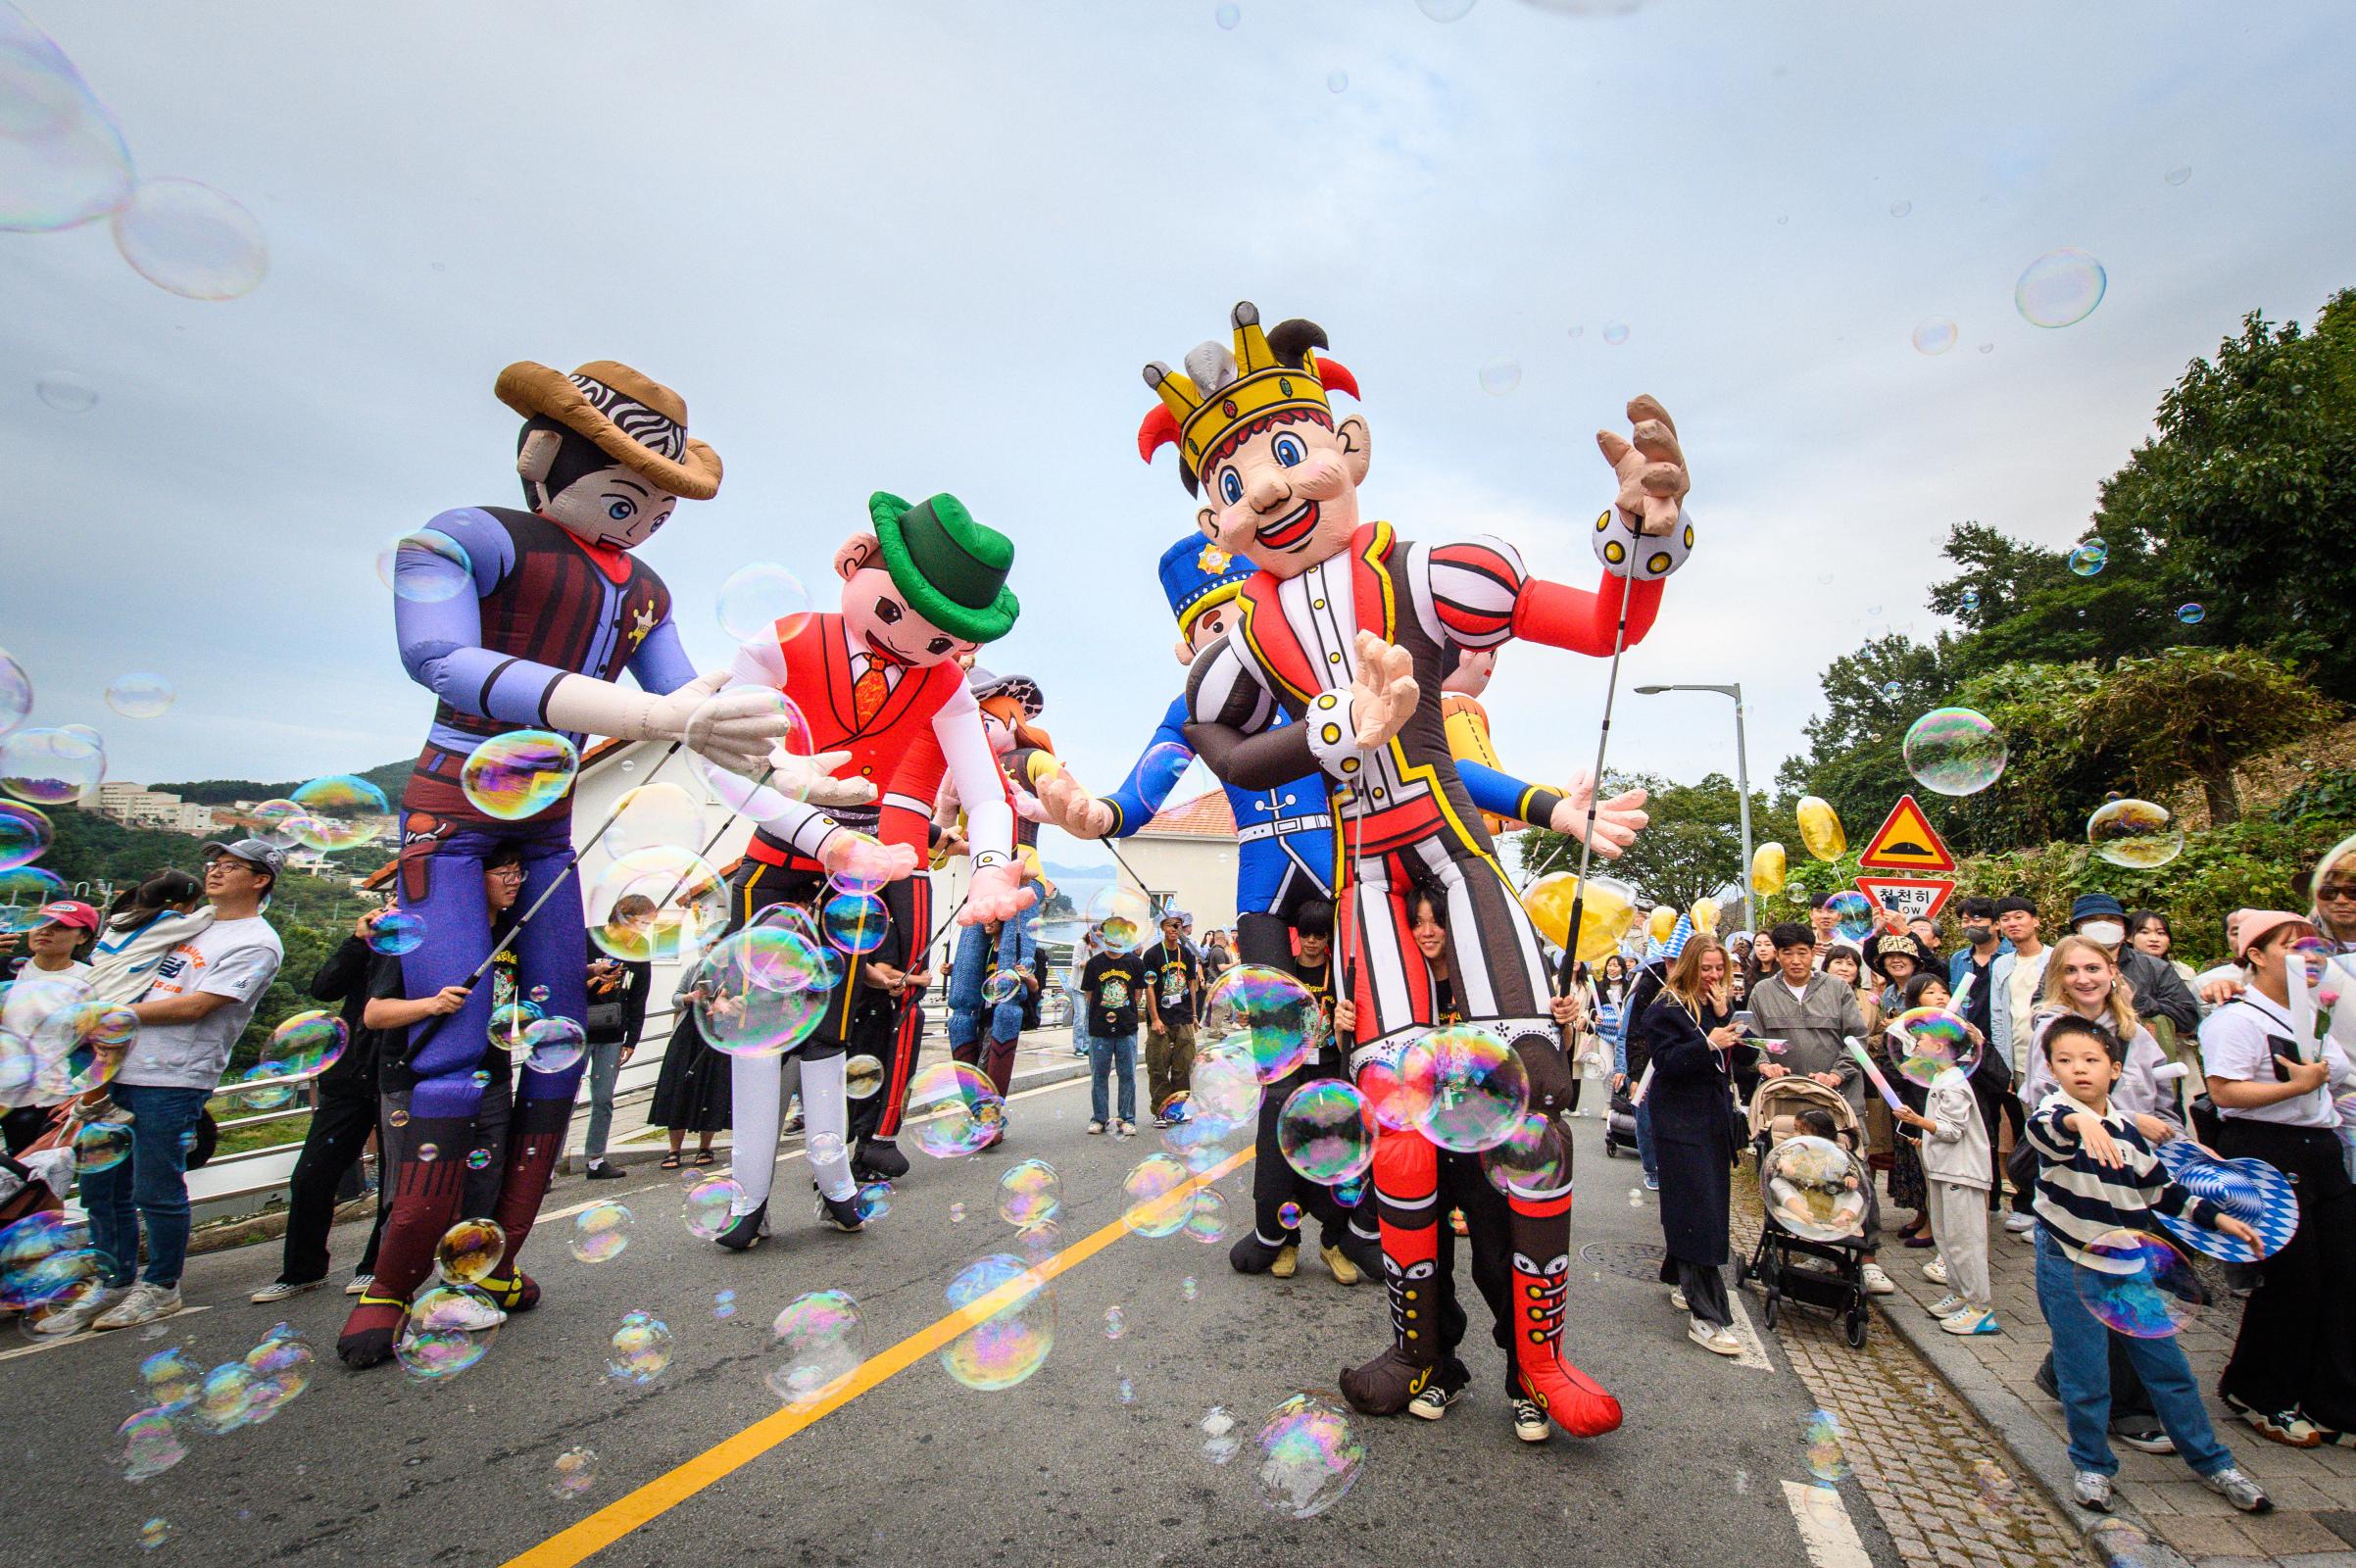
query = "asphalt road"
{"x": 377, "y": 1467}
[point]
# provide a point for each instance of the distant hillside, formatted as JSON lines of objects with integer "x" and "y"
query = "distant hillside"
{"x": 388, "y": 777}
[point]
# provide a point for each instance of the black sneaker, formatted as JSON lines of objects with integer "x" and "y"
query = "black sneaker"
{"x": 839, "y": 1213}
{"x": 747, "y": 1232}
{"x": 1447, "y": 1385}
{"x": 601, "y": 1170}
{"x": 2144, "y": 1435}
{"x": 1160, "y": 1121}
{"x": 1530, "y": 1423}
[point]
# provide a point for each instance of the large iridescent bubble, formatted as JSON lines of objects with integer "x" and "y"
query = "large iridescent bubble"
{"x": 2137, "y": 1284}
{"x": 817, "y": 1343}
{"x": 192, "y": 240}
{"x": 1325, "y": 1132}
{"x": 340, "y": 812}
{"x": 1954, "y": 750}
{"x": 1013, "y": 1341}
{"x": 62, "y": 161}
{"x": 1478, "y": 1087}
{"x": 953, "y": 1110}
{"x": 2137, "y": 834}
{"x": 656, "y": 905}
{"x": 1815, "y": 1188}
{"x": 1932, "y": 1042}
{"x": 1309, "y": 1456}
{"x": 1274, "y": 1017}
{"x": 519, "y": 774}
{"x": 51, "y": 766}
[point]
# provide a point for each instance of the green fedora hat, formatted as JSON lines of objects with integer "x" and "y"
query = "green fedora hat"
{"x": 952, "y": 569}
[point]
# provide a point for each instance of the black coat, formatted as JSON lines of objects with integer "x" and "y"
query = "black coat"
{"x": 344, "y": 979}
{"x": 1692, "y": 1101}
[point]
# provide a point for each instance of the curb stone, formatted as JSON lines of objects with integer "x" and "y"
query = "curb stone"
{"x": 2121, "y": 1537}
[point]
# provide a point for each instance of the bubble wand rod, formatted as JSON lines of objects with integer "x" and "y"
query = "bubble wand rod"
{"x": 1587, "y": 841}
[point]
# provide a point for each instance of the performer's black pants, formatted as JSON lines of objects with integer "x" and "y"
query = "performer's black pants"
{"x": 331, "y": 1149}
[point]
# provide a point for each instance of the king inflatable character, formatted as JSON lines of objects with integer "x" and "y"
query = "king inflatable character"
{"x": 1343, "y": 631}
{"x": 526, "y": 619}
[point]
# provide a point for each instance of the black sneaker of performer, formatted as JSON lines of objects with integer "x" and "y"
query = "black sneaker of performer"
{"x": 878, "y": 1159}
{"x": 1447, "y": 1387}
{"x": 1252, "y": 1255}
{"x": 839, "y": 1213}
{"x": 746, "y": 1232}
{"x": 1529, "y": 1422}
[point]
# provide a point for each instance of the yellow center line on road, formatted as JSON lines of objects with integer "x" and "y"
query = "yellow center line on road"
{"x": 675, "y": 1486}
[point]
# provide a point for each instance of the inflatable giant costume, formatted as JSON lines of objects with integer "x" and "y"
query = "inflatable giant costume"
{"x": 548, "y": 612}
{"x": 880, "y": 686}
{"x": 1342, "y": 629}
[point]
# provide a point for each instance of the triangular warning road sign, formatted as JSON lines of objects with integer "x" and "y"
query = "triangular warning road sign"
{"x": 1907, "y": 842}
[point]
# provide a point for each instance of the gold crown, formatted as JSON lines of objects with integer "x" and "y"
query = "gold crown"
{"x": 1197, "y": 420}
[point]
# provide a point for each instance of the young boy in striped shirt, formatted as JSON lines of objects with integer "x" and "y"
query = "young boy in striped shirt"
{"x": 2096, "y": 1173}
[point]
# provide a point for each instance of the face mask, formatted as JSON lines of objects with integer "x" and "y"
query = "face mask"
{"x": 1977, "y": 934}
{"x": 2103, "y": 933}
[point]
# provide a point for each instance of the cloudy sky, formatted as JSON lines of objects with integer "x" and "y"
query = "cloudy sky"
{"x": 926, "y": 247}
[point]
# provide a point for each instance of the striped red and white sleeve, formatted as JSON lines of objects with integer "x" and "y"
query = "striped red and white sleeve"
{"x": 1482, "y": 595}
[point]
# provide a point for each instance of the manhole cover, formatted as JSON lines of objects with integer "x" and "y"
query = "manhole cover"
{"x": 1631, "y": 1261}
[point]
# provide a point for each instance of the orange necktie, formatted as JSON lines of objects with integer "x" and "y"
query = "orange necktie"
{"x": 868, "y": 692}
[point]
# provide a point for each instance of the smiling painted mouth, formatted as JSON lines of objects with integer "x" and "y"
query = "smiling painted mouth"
{"x": 886, "y": 652}
{"x": 1289, "y": 531}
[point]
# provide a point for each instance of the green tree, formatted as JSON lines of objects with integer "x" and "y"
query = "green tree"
{"x": 2197, "y": 714}
{"x": 1692, "y": 848}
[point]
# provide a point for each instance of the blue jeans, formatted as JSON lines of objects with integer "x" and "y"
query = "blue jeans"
{"x": 1103, "y": 1055}
{"x": 1079, "y": 1026}
{"x": 605, "y": 1065}
{"x": 152, "y": 1185}
{"x": 1643, "y": 1141}
{"x": 2081, "y": 1368}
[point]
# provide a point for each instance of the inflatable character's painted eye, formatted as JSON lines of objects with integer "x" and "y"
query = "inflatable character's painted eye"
{"x": 1288, "y": 450}
{"x": 622, "y": 509}
{"x": 1231, "y": 486}
{"x": 888, "y": 612}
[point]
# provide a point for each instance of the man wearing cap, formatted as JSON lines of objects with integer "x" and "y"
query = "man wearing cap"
{"x": 882, "y": 687}
{"x": 2160, "y": 991}
{"x": 61, "y": 933}
{"x": 516, "y": 620}
{"x": 203, "y": 996}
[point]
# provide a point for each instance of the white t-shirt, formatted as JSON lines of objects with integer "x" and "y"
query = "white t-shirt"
{"x": 2240, "y": 1040}
{"x": 21, "y": 1013}
{"x": 234, "y": 959}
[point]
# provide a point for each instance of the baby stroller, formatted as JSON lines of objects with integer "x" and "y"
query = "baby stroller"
{"x": 1789, "y": 1266}
{"x": 1619, "y": 1125}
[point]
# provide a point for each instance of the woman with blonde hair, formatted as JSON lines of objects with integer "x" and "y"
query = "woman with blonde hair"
{"x": 1691, "y": 1035}
{"x": 2082, "y": 978}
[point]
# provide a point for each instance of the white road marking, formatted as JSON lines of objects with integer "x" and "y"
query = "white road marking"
{"x": 1754, "y": 1354}
{"x": 89, "y": 1337}
{"x": 1825, "y": 1527}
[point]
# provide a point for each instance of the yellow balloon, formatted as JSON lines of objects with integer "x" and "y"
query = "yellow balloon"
{"x": 1604, "y": 917}
{"x": 1819, "y": 828}
{"x": 1704, "y": 915}
{"x": 1767, "y": 869}
{"x": 1663, "y": 921}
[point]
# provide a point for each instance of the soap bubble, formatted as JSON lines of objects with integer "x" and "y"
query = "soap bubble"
{"x": 658, "y": 904}
{"x": 140, "y": 695}
{"x": 1444, "y": 10}
{"x": 817, "y": 1336}
{"x": 2191, "y": 615}
{"x": 1935, "y": 336}
{"x": 1531, "y": 1160}
{"x": 1114, "y": 1324}
{"x": 1207, "y": 1218}
{"x": 155, "y": 1533}
{"x": 553, "y": 1045}
{"x": 26, "y": 834}
{"x": 1158, "y": 1196}
{"x": 2137, "y": 834}
{"x": 1606, "y": 912}
{"x": 448, "y": 1329}
{"x": 1954, "y": 750}
{"x": 1337, "y": 82}
{"x": 710, "y": 1206}
{"x": 1969, "y": 600}
{"x": 1325, "y": 1132}
{"x": 1029, "y": 1192}
{"x": 2178, "y": 175}
{"x": 519, "y": 774}
{"x": 574, "y": 1473}
{"x": 1900, "y": 209}
{"x": 661, "y": 814}
{"x": 1478, "y": 1087}
{"x": 754, "y": 993}
{"x": 190, "y": 239}
{"x": 1500, "y": 376}
{"x": 397, "y": 931}
{"x": 762, "y": 602}
{"x": 2088, "y": 558}
{"x": 2137, "y": 1284}
{"x": 1219, "y": 1441}
{"x": 1820, "y": 1430}
{"x": 51, "y": 766}
{"x": 278, "y": 822}
{"x": 862, "y": 863}
{"x": 171, "y": 1379}
{"x": 863, "y": 1077}
{"x": 306, "y": 1043}
{"x": 600, "y": 1233}
{"x": 426, "y": 566}
{"x": 478, "y": 1159}
{"x": 469, "y": 1252}
{"x": 1815, "y": 1188}
{"x": 15, "y": 692}
{"x": 1615, "y": 332}
{"x": 1010, "y": 1344}
{"x": 854, "y": 922}
{"x": 1228, "y": 16}
{"x": 1932, "y": 1042}
{"x": 1852, "y": 915}
{"x": 149, "y": 1446}
{"x": 340, "y": 812}
{"x": 2060, "y": 288}
{"x": 953, "y": 1110}
{"x": 1121, "y": 916}
{"x": 1769, "y": 866}
{"x": 1819, "y": 829}
{"x": 874, "y": 1201}
{"x": 62, "y": 161}
{"x": 1309, "y": 1456}
{"x": 723, "y": 1305}
{"x": 1040, "y": 1240}
{"x": 641, "y": 1350}
{"x": 1274, "y": 1017}
{"x": 101, "y": 1146}
{"x": 1225, "y": 1081}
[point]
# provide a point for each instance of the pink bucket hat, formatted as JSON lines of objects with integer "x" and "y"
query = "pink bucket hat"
{"x": 2247, "y": 928}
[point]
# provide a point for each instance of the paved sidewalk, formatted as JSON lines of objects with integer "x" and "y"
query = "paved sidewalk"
{"x": 2314, "y": 1490}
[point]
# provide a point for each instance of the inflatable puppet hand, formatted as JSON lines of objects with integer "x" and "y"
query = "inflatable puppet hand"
{"x": 998, "y": 893}
{"x": 1618, "y": 820}
{"x": 733, "y": 728}
{"x": 1651, "y": 467}
{"x": 812, "y": 778}
{"x": 1383, "y": 696}
{"x": 1072, "y": 808}
{"x": 857, "y": 855}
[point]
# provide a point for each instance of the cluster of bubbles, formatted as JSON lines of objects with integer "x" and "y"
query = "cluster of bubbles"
{"x": 62, "y": 163}
{"x": 183, "y": 1398}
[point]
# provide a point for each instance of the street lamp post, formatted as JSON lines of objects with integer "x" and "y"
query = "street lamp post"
{"x": 1750, "y": 916}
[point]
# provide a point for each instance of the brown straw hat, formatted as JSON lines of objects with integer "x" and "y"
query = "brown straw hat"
{"x": 638, "y": 422}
